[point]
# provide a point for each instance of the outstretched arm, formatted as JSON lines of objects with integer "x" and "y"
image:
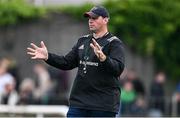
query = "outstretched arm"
{"x": 66, "y": 62}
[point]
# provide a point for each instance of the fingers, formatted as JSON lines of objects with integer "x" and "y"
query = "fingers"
{"x": 95, "y": 48}
{"x": 92, "y": 46}
{"x": 96, "y": 44}
{"x": 34, "y": 57}
{"x": 42, "y": 44}
{"x": 31, "y": 53}
{"x": 97, "y": 52}
{"x": 30, "y": 49}
{"x": 34, "y": 46}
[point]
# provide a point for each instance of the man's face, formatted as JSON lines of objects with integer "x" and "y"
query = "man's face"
{"x": 96, "y": 24}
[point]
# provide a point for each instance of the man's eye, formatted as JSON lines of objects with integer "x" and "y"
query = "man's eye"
{"x": 94, "y": 18}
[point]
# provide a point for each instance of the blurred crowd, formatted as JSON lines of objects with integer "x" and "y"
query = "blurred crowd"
{"x": 50, "y": 87}
{"x": 138, "y": 100}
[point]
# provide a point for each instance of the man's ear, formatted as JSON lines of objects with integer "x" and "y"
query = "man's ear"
{"x": 106, "y": 20}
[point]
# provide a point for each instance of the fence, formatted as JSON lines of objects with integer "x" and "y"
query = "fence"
{"x": 168, "y": 107}
{"x": 38, "y": 110}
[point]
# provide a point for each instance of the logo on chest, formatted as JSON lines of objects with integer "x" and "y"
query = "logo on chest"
{"x": 81, "y": 47}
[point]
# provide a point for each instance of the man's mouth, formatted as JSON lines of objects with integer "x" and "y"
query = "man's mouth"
{"x": 91, "y": 25}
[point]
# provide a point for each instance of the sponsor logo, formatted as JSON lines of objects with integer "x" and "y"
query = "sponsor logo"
{"x": 88, "y": 63}
{"x": 81, "y": 47}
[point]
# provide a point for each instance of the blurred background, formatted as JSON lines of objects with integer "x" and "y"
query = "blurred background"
{"x": 150, "y": 30}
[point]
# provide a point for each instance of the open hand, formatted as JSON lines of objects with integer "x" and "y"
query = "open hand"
{"x": 98, "y": 50}
{"x": 38, "y": 52}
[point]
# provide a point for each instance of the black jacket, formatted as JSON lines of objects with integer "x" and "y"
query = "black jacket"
{"x": 96, "y": 85}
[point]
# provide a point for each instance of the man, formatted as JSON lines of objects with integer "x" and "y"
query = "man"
{"x": 100, "y": 60}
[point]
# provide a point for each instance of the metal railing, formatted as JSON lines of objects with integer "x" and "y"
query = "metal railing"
{"x": 38, "y": 110}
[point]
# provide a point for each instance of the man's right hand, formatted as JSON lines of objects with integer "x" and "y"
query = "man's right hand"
{"x": 38, "y": 52}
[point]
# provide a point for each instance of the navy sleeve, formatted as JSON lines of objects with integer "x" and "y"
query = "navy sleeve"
{"x": 115, "y": 60}
{"x": 67, "y": 62}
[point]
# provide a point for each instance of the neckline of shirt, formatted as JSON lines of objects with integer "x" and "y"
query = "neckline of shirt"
{"x": 106, "y": 34}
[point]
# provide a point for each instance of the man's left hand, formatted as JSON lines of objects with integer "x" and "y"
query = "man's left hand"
{"x": 98, "y": 50}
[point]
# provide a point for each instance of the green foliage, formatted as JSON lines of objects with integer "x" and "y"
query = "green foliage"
{"x": 14, "y": 11}
{"x": 150, "y": 27}
{"x": 77, "y": 11}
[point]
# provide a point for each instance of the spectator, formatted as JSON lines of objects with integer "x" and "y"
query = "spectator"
{"x": 157, "y": 92}
{"x": 176, "y": 102}
{"x": 5, "y": 77}
{"x": 60, "y": 79}
{"x": 128, "y": 97}
{"x": 14, "y": 71}
{"x": 27, "y": 92}
{"x": 10, "y": 95}
{"x": 44, "y": 88}
{"x": 139, "y": 108}
{"x": 137, "y": 83}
